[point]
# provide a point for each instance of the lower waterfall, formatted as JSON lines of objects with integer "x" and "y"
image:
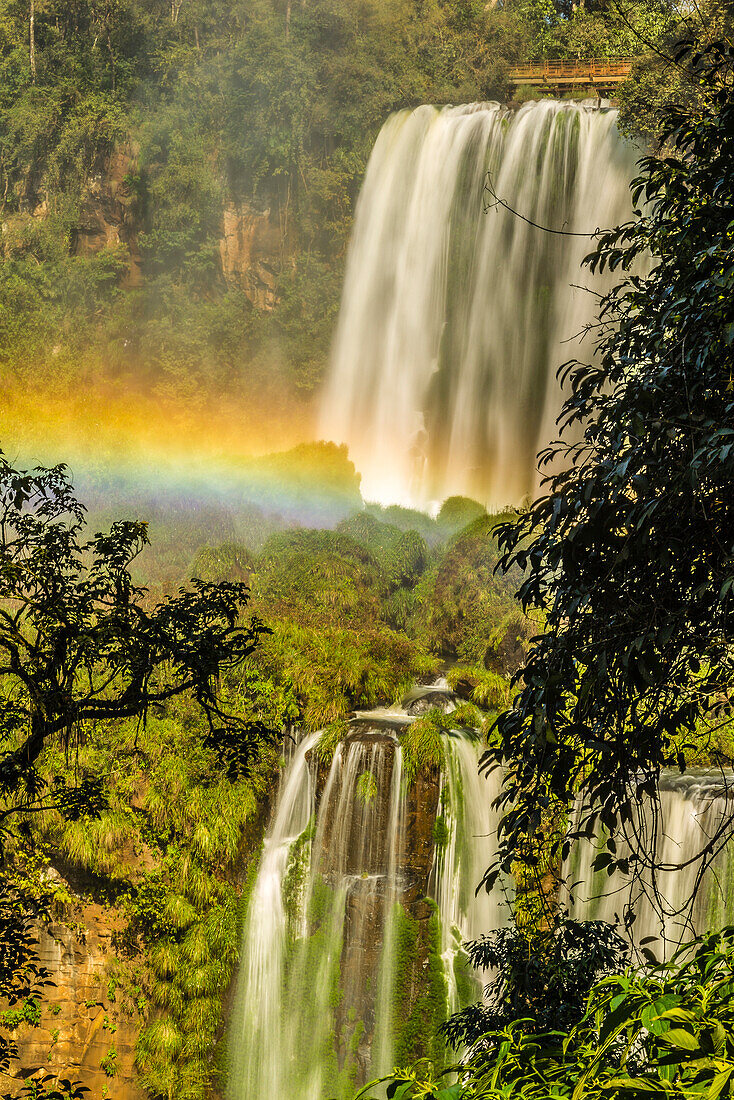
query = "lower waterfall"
{"x": 454, "y": 319}
{"x": 692, "y": 807}
{"x": 352, "y": 947}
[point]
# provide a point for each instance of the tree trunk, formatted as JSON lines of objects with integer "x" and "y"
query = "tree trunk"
{"x": 112, "y": 63}
{"x": 32, "y": 40}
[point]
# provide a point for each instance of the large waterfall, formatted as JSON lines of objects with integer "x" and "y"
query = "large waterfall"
{"x": 455, "y": 320}
{"x": 352, "y": 948}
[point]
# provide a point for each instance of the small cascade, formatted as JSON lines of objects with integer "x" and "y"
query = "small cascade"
{"x": 692, "y": 808}
{"x": 466, "y": 820}
{"x": 351, "y": 952}
{"x": 455, "y": 319}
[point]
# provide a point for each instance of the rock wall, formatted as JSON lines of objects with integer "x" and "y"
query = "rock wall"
{"x": 89, "y": 1022}
{"x": 251, "y": 252}
{"x": 251, "y": 245}
{"x": 107, "y": 214}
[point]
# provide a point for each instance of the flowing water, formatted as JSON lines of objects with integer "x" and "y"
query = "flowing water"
{"x": 443, "y": 381}
{"x": 693, "y": 807}
{"x": 346, "y": 963}
{"x": 454, "y": 320}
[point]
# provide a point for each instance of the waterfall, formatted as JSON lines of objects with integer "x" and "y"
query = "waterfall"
{"x": 461, "y": 859}
{"x": 351, "y": 949}
{"x": 692, "y": 807}
{"x": 454, "y": 320}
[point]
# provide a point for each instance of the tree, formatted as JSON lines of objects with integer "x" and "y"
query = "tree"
{"x": 664, "y": 1032}
{"x": 542, "y": 978}
{"x": 32, "y": 39}
{"x": 79, "y": 644}
{"x": 630, "y": 556}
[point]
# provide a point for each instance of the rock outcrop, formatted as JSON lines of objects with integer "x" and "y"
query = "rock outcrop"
{"x": 251, "y": 246}
{"x": 250, "y": 251}
{"x": 89, "y": 1021}
{"x": 107, "y": 215}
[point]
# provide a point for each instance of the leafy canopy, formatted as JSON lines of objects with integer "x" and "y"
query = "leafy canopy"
{"x": 665, "y": 1033}
{"x": 540, "y": 978}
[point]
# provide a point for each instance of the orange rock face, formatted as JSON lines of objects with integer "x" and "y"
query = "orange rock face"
{"x": 88, "y": 1028}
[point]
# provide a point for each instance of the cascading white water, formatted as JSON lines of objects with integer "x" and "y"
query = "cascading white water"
{"x": 336, "y": 904}
{"x": 461, "y": 859}
{"x": 692, "y": 808}
{"x": 323, "y": 876}
{"x": 453, "y": 320}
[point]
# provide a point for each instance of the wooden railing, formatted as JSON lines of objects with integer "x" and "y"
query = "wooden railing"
{"x": 609, "y": 70}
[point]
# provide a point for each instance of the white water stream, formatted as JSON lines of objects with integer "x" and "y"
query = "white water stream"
{"x": 692, "y": 808}
{"x": 454, "y": 321}
{"x": 326, "y": 972}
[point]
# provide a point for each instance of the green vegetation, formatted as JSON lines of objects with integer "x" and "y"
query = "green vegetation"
{"x": 168, "y": 853}
{"x": 172, "y": 838}
{"x": 422, "y": 743}
{"x": 140, "y": 142}
{"x": 667, "y": 1032}
{"x": 420, "y": 999}
{"x": 162, "y": 724}
{"x": 178, "y": 183}
{"x": 469, "y": 613}
{"x": 329, "y": 598}
{"x": 628, "y": 562}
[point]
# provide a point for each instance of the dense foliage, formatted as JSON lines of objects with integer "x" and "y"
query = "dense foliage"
{"x": 541, "y": 979}
{"x": 357, "y": 615}
{"x": 170, "y": 838}
{"x": 666, "y": 1032}
{"x": 659, "y": 79}
{"x": 169, "y": 850}
{"x": 83, "y": 651}
{"x": 629, "y": 555}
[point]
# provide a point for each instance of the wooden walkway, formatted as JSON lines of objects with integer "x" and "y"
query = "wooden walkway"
{"x": 600, "y": 74}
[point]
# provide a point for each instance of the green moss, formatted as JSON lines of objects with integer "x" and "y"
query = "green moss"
{"x": 366, "y": 787}
{"x": 468, "y": 989}
{"x": 440, "y": 832}
{"x": 304, "y": 967}
{"x": 423, "y": 744}
{"x": 296, "y": 877}
{"x": 421, "y": 993}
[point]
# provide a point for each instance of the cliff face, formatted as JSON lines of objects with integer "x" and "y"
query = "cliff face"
{"x": 251, "y": 244}
{"x": 89, "y": 1021}
{"x": 251, "y": 252}
{"x": 107, "y": 214}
